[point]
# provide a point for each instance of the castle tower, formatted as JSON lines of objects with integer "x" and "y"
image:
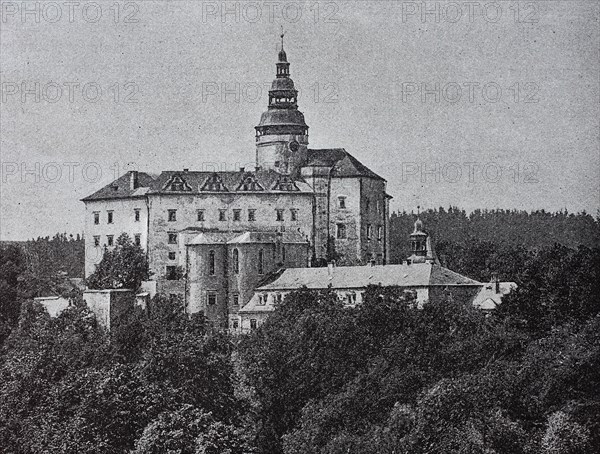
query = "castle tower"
{"x": 282, "y": 134}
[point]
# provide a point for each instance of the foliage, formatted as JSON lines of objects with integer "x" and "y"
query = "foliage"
{"x": 66, "y": 386}
{"x": 125, "y": 266}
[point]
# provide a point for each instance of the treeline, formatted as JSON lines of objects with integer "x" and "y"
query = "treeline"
{"x": 62, "y": 253}
{"x": 384, "y": 377}
{"x": 505, "y": 228}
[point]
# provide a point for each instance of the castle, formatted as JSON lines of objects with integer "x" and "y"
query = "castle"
{"x": 212, "y": 237}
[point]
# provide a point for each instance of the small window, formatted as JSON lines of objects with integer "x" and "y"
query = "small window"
{"x": 262, "y": 299}
{"x": 369, "y": 231}
{"x": 235, "y": 299}
{"x": 136, "y": 213}
{"x": 212, "y": 298}
{"x": 138, "y": 239}
{"x": 379, "y": 233}
{"x": 172, "y": 215}
{"x": 252, "y": 323}
{"x": 97, "y": 241}
{"x": 236, "y": 261}
{"x": 341, "y": 231}
{"x": 294, "y": 214}
{"x": 172, "y": 238}
{"x": 237, "y": 215}
{"x": 172, "y": 255}
{"x": 110, "y": 217}
{"x": 378, "y": 206}
{"x": 261, "y": 256}
{"x": 96, "y": 217}
{"x": 110, "y": 240}
{"x": 172, "y": 273}
{"x": 252, "y": 214}
{"x": 235, "y": 324}
{"x": 279, "y": 298}
{"x": 222, "y": 215}
{"x": 367, "y": 205}
{"x": 342, "y": 202}
{"x": 351, "y": 298}
{"x": 279, "y": 213}
{"x": 211, "y": 263}
{"x": 200, "y": 214}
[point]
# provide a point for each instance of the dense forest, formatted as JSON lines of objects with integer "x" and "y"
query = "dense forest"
{"x": 384, "y": 377}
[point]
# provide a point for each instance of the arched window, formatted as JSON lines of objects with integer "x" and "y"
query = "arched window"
{"x": 236, "y": 261}
{"x": 211, "y": 263}
{"x": 261, "y": 262}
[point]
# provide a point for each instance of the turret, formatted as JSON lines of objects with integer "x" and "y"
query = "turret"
{"x": 420, "y": 245}
{"x": 282, "y": 134}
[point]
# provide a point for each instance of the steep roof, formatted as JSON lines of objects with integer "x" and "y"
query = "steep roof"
{"x": 346, "y": 277}
{"x": 198, "y": 182}
{"x": 121, "y": 188}
{"x": 344, "y": 164}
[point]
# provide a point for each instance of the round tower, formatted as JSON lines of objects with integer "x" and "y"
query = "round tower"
{"x": 282, "y": 134}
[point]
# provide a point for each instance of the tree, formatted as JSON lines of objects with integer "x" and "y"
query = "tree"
{"x": 126, "y": 266}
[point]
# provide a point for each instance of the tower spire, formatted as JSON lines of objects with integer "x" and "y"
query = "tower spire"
{"x": 282, "y": 35}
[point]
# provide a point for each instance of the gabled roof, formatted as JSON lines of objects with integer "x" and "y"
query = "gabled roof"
{"x": 231, "y": 180}
{"x": 344, "y": 164}
{"x": 121, "y": 188}
{"x": 348, "y": 277}
{"x": 194, "y": 183}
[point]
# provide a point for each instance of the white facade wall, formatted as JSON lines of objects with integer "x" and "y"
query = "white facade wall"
{"x": 123, "y": 222}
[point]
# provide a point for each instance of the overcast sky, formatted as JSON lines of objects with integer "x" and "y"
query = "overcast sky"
{"x": 477, "y": 105}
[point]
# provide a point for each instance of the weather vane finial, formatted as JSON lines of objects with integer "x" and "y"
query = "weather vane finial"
{"x": 418, "y": 210}
{"x": 282, "y": 35}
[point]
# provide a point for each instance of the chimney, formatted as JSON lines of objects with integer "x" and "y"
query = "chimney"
{"x": 186, "y": 170}
{"x": 496, "y": 282}
{"x": 257, "y": 168}
{"x": 133, "y": 180}
{"x": 372, "y": 262}
{"x": 242, "y": 169}
{"x": 330, "y": 268}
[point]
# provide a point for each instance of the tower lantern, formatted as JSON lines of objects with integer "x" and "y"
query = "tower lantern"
{"x": 282, "y": 133}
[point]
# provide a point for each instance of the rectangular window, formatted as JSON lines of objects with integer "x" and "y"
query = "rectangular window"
{"x": 378, "y": 206}
{"x": 172, "y": 215}
{"x": 235, "y": 324}
{"x": 379, "y": 233}
{"x": 137, "y": 214}
{"x": 138, "y": 239}
{"x": 172, "y": 238}
{"x": 369, "y": 231}
{"x": 237, "y": 215}
{"x": 252, "y": 323}
{"x": 172, "y": 255}
{"x": 367, "y": 205}
{"x": 262, "y": 299}
{"x": 96, "y": 217}
{"x": 252, "y": 214}
{"x": 341, "y": 231}
{"x": 96, "y": 241}
{"x": 172, "y": 273}
{"x": 222, "y": 215}
{"x": 110, "y": 217}
{"x": 200, "y": 214}
{"x": 279, "y": 214}
{"x": 235, "y": 299}
{"x": 212, "y": 298}
{"x": 294, "y": 214}
{"x": 109, "y": 240}
{"x": 342, "y": 202}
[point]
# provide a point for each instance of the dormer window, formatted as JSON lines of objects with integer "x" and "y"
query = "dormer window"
{"x": 249, "y": 183}
{"x": 177, "y": 184}
{"x": 214, "y": 183}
